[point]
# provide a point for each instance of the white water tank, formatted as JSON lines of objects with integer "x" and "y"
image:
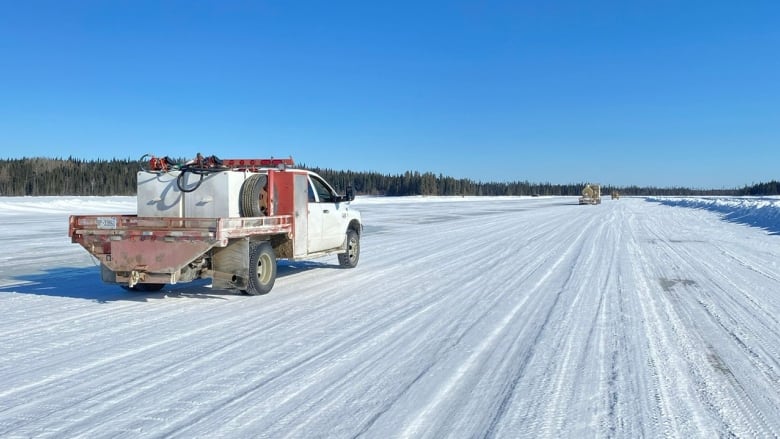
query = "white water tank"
{"x": 217, "y": 195}
{"x": 158, "y": 195}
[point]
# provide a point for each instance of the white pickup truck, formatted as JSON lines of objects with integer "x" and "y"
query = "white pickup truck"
{"x": 228, "y": 220}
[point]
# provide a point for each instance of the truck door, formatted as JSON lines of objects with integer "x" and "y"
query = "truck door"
{"x": 326, "y": 229}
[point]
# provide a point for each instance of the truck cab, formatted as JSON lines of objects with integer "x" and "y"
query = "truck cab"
{"x": 327, "y": 213}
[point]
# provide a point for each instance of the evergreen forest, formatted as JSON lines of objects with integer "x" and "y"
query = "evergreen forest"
{"x": 71, "y": 176}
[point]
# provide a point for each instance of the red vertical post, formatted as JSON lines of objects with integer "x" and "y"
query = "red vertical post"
{"x": 272, "y": 194}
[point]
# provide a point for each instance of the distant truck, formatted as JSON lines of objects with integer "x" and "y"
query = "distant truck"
{"x": 591, "y": 194}
{"x": 228, "y": 220}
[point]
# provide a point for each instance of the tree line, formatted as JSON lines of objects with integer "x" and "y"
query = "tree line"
{"x": 72, "y": 176}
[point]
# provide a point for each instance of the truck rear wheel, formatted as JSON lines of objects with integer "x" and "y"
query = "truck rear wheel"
{"x": 254, "y": 196}
{"x": 351, "y": 257}
{"x": 262, "y": 268}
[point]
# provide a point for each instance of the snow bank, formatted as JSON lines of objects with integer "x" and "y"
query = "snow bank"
{"x": 761, "y": 212}
{"x": 66, "y": 205}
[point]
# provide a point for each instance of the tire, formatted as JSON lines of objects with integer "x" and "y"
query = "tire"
{"x": 253, "y": 196}
{"x": 262, "y": 268}
{"x": 351, "y": 257}
{"x": 145, "y": 288}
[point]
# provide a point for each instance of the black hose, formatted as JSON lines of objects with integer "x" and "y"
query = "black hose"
{"x": 180, "y": 180}
{"x": 200, "y": 167}
{"x": 143, "y": 161}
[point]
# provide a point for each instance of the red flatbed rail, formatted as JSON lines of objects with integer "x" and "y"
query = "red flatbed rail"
{"x": 164, "y": 245}
{"x": 117, "y": 227}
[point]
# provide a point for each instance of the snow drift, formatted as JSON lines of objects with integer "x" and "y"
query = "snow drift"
{"x": 757, "y": 212}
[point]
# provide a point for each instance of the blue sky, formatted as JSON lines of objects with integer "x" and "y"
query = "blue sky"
{"x": 661, "y": 93}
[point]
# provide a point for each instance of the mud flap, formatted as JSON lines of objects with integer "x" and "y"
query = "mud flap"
{"x": 230, "y": 265}
{"x": 107, "y": 275}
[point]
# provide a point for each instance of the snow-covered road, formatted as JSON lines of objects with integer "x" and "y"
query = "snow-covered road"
{"x": 466, "y": 317}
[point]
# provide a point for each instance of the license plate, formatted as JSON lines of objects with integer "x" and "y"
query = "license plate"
{"x": 105, "y": 222}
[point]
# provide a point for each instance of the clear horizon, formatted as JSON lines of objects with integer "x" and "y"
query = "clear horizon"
{"x": 658, "y": 94}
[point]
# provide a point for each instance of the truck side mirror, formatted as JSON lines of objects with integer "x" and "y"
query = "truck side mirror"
{"x": 350, "y": 193}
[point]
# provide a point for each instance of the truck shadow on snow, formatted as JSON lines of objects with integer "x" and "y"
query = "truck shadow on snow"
{"x": 288, "y": 268}
{"x": 85, "y": 283}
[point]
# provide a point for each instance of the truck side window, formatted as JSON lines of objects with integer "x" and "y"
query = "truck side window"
{"x": 324, "y": 194}
{"x": 312, "y": 199}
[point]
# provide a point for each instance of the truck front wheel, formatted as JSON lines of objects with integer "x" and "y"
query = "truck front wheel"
{"x": 262, "y": 268}
{"x": 350, "y": 258}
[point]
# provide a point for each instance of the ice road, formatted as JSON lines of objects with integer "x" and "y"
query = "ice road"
{"x": 466, "y": 317}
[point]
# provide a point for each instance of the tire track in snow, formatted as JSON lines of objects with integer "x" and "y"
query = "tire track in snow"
{"x": 568, "y": 370}
{"x": 561, "y": 384}
{"x": 526, "y": 270}
{"x": 307, "y": 358}
{"x": 706, "y": 366}
{"x": 418, "y": 425}
{"x": 103, "y": 368}
{"x": 455, "y": 262}
{"x": 592, "y": 378}
{"x": 452, "y": 336}
{"x": 210, "y": 322}
{"x": 692, "y": 371}
{"x": 658, "y": 357}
